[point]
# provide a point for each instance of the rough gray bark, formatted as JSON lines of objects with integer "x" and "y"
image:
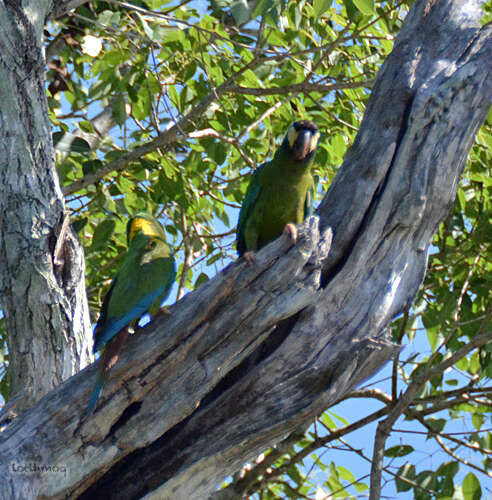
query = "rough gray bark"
{"x": 257, "y": 352}
{"x": 42, "y": 287}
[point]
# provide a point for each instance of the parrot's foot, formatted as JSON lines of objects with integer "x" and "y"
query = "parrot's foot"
{"x": 249, "y": 257}
{"x": 291, "y": 231}
{"x": 163, "y": 311}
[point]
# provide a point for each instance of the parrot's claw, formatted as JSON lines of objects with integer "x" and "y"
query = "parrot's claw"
{"x": 250, "y": 258}
{"x": 291, "y": 231}
{"x": 164, "y": 310}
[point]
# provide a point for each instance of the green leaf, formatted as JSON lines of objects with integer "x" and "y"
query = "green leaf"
{"x": 147, "y": 29}
{"x": 295, "y": 475}
{"x": 240, "y": 11}
{"x": 118, "y": 109}
{"x": 398, "y": 451}
{"x": 320, "y": 7}
{"x": 462, "y": 364}
{"x": 66, "y": 142}
{"x": 86, "y": 126}
{"x": 437, "y": 424}
{"x": 103, "y": 233}
{"x": 202, "y": 278}
{"x": 352, "y": 11}
{"x": 425, "y": 480}
{"x": 360, "y": 487}
{"x": 328, "y": 421}
{"x": 435, "y": 337}
{"x": 471, "y": 487}
{"x": 174, "y": 35}
{"x": 477, "y": 420}
{"x": 5, "y": 387}
{"x": 80, "y": 145}
{"x": 338, "y": 144}
{"x": 79, "y": 224}
{"x": 338, "y": 417}
{"x": 474, "y": 363}
{"x": 270, "y": 10}
{"x": 91, "y": 166}
{"x": 365, "y": 6}
{"x": 345, "y": 474}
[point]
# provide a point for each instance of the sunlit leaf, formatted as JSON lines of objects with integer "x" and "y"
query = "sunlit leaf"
{"x": 398, "y": 451}
{"x": 471, "y": 487}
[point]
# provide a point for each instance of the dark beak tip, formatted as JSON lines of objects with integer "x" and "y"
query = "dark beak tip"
{"x": 302, "y": 152}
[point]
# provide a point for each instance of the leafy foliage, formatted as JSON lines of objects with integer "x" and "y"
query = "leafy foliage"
{"x": 168, "y": 107}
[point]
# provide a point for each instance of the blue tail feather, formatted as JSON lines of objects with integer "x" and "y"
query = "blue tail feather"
{"x": 95, "y": 393}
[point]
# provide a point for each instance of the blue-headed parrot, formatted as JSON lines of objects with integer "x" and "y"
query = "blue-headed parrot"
{"x": 280, "y": 192}
{"x": 143, "y": 281}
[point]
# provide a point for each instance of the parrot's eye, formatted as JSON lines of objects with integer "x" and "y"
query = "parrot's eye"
{"x": 151, "y": 245}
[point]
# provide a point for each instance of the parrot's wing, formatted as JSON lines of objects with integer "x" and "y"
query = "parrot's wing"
{"x": 250, "y": 198}
{"x": 309, "y": 202}
{"x": 103, "y": 315}
{"x": 131, "y": 296}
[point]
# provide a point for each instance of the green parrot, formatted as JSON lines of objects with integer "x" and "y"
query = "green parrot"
{"x": 143, "y": 281}
{"x": 280, "y": 192}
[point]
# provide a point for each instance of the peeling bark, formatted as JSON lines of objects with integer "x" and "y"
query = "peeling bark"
{"x": 42, "y": 286}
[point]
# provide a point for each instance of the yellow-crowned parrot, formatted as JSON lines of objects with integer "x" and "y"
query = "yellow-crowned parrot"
{"x": 143, "y": 281}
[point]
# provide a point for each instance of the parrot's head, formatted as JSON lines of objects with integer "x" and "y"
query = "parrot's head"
{"x": 301, "y": 140}
{"x": 143, "y": 223}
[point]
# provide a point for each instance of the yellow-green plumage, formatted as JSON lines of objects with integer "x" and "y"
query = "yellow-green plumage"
{"x": 143, "y": 281}
{"x": 280, "y": 191}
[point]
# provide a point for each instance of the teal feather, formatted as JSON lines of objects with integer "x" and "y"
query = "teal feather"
{"x": 143, "y": 281}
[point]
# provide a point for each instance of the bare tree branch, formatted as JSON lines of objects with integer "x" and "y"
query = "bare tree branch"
{"x": 61, "y": 7}
{"x": 385, "y": 426}
{"x": 166, "y": 138}
{"x": 300, "y": 87}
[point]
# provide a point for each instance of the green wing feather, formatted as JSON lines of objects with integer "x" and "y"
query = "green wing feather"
{"x": 143, "y": 281}
{"x": 250, "y": 198}
{"x": 145, "y": 277}
{"x": 280, "y": 191}
{"x": 309, "y": 202}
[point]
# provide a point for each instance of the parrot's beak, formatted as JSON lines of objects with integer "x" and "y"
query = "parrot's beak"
{"x": 304, "y": 144}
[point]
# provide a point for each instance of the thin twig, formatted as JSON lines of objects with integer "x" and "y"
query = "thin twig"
{"x": 262, "y": 117}
{"x": 188, "y": 258}
{"x": 459, "y": 459}
{"x": 167, "y": 137}
{"x": 295, "y": 88}
{"x": 250, "y": 482}
{"x": 385, "y": 426}
{"x": 394, "y": 374}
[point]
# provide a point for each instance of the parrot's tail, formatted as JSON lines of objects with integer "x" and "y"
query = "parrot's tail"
{"x": 95, "y": 393}
{"x": 106, "y": 362}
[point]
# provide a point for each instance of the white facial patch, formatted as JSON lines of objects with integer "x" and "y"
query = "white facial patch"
{"x": 314, "y": 141}
{"x": 292, "y": 136}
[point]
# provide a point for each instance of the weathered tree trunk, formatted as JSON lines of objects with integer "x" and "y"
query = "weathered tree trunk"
{"x": 42, "y": 286}
{"x": 257, "y": 352}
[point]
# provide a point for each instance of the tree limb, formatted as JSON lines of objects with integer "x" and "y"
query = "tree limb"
{"x": 61, "y": 7}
